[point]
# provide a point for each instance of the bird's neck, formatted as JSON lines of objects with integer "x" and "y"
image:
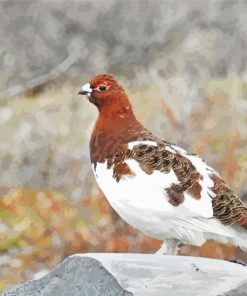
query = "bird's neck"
{"x": 114, "y": 118}
{"x": 114, "y": 127}
{"x": 117, "y": 121}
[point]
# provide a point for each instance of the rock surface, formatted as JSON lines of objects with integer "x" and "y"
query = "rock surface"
{"x": 75, "y": 276}
{"x": 138, "y": 274}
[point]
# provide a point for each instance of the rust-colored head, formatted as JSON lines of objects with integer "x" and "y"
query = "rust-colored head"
{"x": 116, "y": 124}
{"x": 104, "y": 91}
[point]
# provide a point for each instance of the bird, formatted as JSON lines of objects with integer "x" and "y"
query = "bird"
{"x": 155, "y": 186}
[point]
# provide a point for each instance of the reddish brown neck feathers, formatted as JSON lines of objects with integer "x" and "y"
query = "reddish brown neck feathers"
{"x": 114, "y": 127}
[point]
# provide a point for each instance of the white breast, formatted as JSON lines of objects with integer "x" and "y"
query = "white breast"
{"x": 140, "y": 200}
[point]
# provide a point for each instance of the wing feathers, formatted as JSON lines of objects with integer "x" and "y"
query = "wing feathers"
{"x": 196, "y": 181}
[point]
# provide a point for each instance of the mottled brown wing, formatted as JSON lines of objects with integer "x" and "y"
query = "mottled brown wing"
{"x": 157, "y": 157}
{"x": 227, "y": 207}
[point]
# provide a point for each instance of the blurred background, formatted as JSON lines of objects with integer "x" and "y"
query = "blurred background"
{"x": 183, "y": 64}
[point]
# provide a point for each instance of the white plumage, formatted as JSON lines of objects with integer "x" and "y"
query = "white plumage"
{"x": 143, "y": 203}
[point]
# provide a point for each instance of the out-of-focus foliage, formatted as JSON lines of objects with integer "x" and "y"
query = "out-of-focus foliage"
{"x": 40, "y": 228}
{"x": 183, "y": 64}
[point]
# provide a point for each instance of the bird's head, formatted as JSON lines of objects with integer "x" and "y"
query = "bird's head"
{"x": 105, "y": 92}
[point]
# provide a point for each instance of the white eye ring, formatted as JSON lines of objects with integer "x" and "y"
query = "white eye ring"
{"x": 102, "y": 88}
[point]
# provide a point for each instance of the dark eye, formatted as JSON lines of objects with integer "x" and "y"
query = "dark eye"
{"x": 102, "y": 88}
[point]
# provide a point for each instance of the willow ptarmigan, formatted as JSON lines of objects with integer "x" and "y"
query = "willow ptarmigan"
{"x": 155, "y": 186}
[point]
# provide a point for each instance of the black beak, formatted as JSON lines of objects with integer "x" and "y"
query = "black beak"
{"x": 83, "y": 92}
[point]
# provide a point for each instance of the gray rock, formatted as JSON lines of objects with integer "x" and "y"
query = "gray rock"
{"x": 140, "y": 274}
{"x": 77, "y": 276}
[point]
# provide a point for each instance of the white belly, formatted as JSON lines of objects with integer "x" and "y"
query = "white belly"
{"x": 143, "y": 203}
{"x": 140, "y": 200}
